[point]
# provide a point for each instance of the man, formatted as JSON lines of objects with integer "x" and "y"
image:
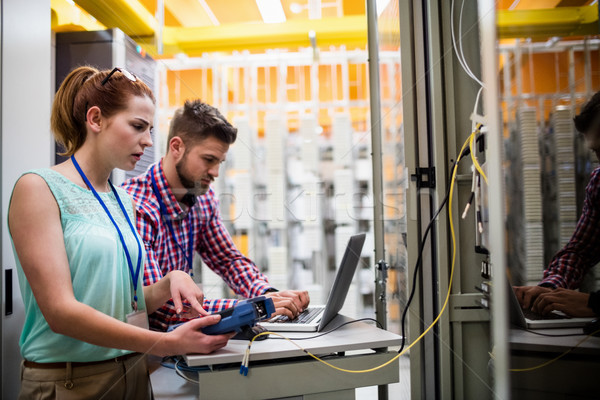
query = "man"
{"x": 178, "y": 215}
{"x": 569, "y": 265}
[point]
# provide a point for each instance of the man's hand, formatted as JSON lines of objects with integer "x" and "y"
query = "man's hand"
{"x": 527, "y": 294}
{"x": 289, "y": 302}
{"x": 571, "y": 302}
{"x": 182, "y": 288}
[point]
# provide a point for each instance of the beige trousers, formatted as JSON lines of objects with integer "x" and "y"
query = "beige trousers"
{"x": 108, "y": 380}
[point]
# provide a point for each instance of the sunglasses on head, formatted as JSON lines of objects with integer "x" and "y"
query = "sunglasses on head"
{"x": 125, "y": 73}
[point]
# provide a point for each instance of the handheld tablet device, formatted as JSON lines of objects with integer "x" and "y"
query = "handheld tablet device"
{"x": 244, "y": 315}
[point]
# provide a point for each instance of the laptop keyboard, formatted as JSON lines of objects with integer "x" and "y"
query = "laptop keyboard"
{"x": 536, "y": 317}
{"x": 305, "y": 316}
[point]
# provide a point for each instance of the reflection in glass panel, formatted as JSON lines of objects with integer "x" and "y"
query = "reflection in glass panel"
{"x": 547, "y": 72}
{"x": 544, "y": 83}
{"x": 394, "y": 174}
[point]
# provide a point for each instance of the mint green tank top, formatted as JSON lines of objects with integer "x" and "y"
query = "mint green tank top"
{"x": 99, "y": 270}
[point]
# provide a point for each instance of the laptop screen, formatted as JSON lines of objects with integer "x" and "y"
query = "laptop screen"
{"x": 343, "y": 279}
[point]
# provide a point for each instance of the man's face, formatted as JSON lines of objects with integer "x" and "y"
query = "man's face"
{"x": 200, "y": 164}
{"x": 592, "y": 138}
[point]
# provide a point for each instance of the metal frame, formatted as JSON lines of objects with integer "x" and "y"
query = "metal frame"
{"x": 377, "y": 154}
{"x": 423, "y": 375}
{"x": 438, "y": 101}
{"x": 489, "y": 62}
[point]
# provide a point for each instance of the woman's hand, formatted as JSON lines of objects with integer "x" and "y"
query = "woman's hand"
{"x": 183, "y": 287}
{"x": 189, "y": 339}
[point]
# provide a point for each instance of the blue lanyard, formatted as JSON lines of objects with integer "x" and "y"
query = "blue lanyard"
{"x": 189, "y": 255}
{"x": 134, "y": 274}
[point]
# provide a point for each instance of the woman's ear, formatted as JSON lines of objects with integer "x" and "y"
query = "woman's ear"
{"x": 93, "y": 118}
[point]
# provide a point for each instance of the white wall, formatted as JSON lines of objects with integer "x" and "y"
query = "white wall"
{"x": 26, "y": 139}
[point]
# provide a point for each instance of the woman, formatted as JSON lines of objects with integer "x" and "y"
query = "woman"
{"x": 80, "y": 258}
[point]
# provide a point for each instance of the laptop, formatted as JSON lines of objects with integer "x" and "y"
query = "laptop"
{"x": 527, "y": 319}
{"x": 316, "y": 318}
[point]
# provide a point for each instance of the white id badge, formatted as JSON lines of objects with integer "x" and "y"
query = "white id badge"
{"x": 138, "y": 318}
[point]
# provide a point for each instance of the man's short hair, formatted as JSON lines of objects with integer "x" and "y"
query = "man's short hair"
{"x": 590, "y": 112}
{"x": 196, "y": 121}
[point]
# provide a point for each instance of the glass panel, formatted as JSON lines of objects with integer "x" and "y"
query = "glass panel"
{"x": 543, "y": 85}
{"x": 394, "y": 174}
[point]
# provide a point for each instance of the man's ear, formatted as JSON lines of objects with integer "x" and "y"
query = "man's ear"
{"x": 93, "y": 118}
{"x": 177, "y": 148}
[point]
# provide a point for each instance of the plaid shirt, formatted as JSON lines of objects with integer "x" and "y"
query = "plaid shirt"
{"x": 582, "y": 252}
{"x": 166, "y": 253}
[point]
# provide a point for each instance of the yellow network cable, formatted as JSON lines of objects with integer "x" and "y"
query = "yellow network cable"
{"x": 246, "y": 358}
{"x": 544, "y": 364}
{"x": 475, "y": 161}
{"x": 317, "y": 358}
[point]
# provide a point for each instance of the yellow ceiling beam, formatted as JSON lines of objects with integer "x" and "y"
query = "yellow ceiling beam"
{"x": 67, "y": 17}
{"x": 128, "y": 15}
{"x": 560, "y": 21}
{"x": 350, "y": 31}
{"x": 137, "y": 22}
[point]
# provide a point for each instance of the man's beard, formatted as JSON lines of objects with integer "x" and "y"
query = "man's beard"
{"x": 195, "y": 187}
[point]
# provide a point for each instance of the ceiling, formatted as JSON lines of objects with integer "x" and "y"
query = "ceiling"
{"x": 195, "y": 27}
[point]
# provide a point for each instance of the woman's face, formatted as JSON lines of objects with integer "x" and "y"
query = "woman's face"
{"x": 128, "y": 133}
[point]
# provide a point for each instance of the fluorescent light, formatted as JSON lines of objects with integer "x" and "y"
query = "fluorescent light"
{"x": 271, "y": 11}
{"x": 381, "y": 5}
{"x": 296, "y": 8}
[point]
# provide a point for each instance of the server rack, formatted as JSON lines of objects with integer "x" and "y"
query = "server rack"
{"x": 105, "y": 50}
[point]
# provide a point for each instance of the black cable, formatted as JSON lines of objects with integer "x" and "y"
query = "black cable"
{"x": 545, "y": 334}
{"x": 332, "y": 330}
{"x": 465, "y": 152}
{"x": 179, "y": 363}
